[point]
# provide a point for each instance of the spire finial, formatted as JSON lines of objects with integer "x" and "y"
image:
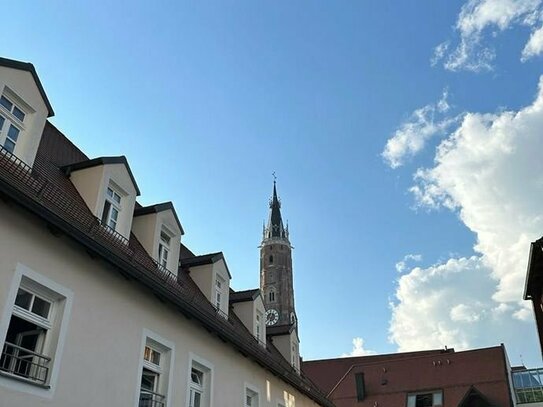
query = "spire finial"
{"x": 274, "y": 177}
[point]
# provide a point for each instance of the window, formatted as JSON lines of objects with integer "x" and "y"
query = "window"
{"x": 218, "y": 292}
{"x": 11, "y": 123}
{"x": 196, "y": 387}
{"x": 271, "y": 296}
{"x": 251, "y": 398}
{"x": 271, "y": 259}
{"x": 154, "y": 374}
{"x": 258, "y": 331}
{"x": 164, "y": 248}
{"x": 199, "y": 386}
{"x": 33, "y": 332}
{"x": 112, "y": 207}
{"x": 426, "y": 399}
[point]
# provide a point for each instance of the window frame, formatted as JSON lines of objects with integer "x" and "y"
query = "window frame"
{"x": 207, "y": 369}
{"x": 59, "y": 316}
{"x": 413, "y": 402}
{"x": 164, "y": 246}
{"x": 166, "y": 349}
{"x": 253, "y": 392}
{"x": 112, "y": 205}
{"x": 11, "y": 121}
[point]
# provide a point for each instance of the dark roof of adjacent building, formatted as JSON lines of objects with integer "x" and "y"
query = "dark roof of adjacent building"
{"x": 242, "y": 296}
{"x": 27, "y": 66}
{"x": 389, "y": 378}
{"x": 46, "y": 192}
{"x": 156, "y": 208}
{"x": 68, "y": 169}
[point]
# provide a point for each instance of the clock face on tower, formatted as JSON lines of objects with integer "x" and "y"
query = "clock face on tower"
{"x": 272, "y": 316}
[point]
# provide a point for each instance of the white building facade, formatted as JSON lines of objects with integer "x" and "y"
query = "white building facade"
{"x": 100, "y": 302}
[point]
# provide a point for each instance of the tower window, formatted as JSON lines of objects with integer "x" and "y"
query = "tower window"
{"x": 271, "y": 259}
{"x": 272, "y": 296}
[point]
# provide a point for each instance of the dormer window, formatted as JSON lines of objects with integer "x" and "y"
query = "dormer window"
{"x": 112, "y": 207}
{"x": 11, "y": 121}
{"x": 164, "y": 248}
{"x": 218, "y": 292}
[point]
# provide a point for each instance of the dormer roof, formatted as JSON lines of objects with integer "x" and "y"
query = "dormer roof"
{"x": 161, "y": 207}
{"x": 203, "y": 260}
{"x": 101, "y": 161}
{"x": 27, "y": 66}
{"x": 242, "y": 296}
{"x": 280, "y": 330}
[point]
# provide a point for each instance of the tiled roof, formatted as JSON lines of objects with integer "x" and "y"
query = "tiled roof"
{"x": 45, "y": 191}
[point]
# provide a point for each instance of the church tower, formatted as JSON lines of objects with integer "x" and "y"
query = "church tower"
{"x": 276, "y": 283}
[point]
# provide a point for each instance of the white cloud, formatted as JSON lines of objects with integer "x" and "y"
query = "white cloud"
{"x": 402, "y": 265}
{"x": 476, "y": 20}
{"x": 358, "y": 349}
{"x": 489, "y": 171}
{"x": 534, "y": 46}
{"x": 411, "y": 137}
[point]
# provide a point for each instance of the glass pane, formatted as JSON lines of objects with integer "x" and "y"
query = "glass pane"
{"x": 41, "y": 307}
{"x": 197, "y": 397}
{"x": 155, "y": 357}
{"x": 18, "y": 113}
{"x": 9, "y": 145}
{"x": 110, "y": 192}
{"x": 6, "y": 103}
{"x": 105, "y": 214}
{"x": 1, "y": 122}
{"x": 114, "y": 214}
{"x": 117, "y": 197}
{"x": 13, "y": 133}
{"x": 148, "y": 380}
{"x": 23, "y": 299}
{"x": 164, "y": 236}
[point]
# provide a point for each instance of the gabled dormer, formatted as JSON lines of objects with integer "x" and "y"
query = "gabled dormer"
{"x": 109, "y": 189}
{"x": 249, "y": 308}
{"x": 285, "y": 339}
{"x": 24, "y": 108}
{"x": 159, "y": 230}
{"x": 211, "y": 275}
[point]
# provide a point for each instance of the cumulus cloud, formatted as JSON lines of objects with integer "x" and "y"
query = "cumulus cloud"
{"x": 489, "y": 171}
{"x": 411, "y": 137}
{"x": 402, "y": 265}
{"x": 358, "y": 349}
{"x": 534, "y": 46}
{"x": 480, "y": 19}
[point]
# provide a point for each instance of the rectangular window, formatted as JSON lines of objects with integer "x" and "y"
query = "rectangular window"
{"x": 32, "y": 333}
{"x": 199, "y": 384}
{"x": 258, "y": 321}
{"x": 154, "y": 375}
{"x": 14, "y": 117}
{"x": 164, "y": 248}
{"x": 426, "y": 399}
{"x": 112, "y": 207}
{"x": 218, "y": 292}
{"x": 251, "y": 398}
{"x": 360, "y": 386}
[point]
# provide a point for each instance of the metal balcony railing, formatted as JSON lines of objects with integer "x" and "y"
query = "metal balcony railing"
{"x": 151, "y": 399}
{"x": 48, "y": 191}
{"x": 24, "y": 362}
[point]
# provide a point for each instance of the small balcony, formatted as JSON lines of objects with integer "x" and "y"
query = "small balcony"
{"x": 25, "y": 363}
{"x": 150, "y": 399}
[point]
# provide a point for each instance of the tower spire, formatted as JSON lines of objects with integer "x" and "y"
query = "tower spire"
{"x": 275, "y": 228}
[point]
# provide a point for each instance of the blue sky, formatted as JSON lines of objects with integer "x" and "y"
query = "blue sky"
{"x": 383, "y": 148}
